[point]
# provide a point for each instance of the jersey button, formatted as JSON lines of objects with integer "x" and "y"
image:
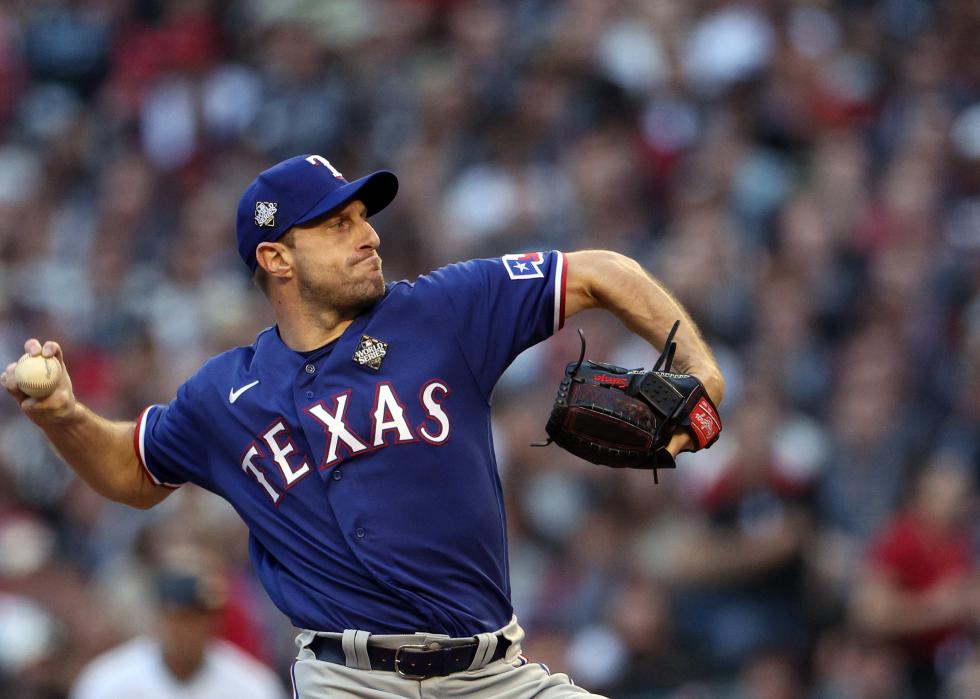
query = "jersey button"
{"x": 337, "y": 475}
{"x": 359, "y": 532}
{"x": 310, "y": 369}
{"x": 309, "y": 394}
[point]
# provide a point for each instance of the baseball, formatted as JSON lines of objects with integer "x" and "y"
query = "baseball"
{"x": 37, "y": 376}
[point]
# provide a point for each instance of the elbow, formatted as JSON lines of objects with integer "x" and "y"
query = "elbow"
{"x": 130, "y": 498}
{"x": 608, "y": 265}
{"x": 145, "y": 501}
{"x": 146, "y": 496}
{"x": 607, "y": 272}
{"x": 139, "y": 494}
{"x": 618, "y": 262}
{"x": 140, "y": 503}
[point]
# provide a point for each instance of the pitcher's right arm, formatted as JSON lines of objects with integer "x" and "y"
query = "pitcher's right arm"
{"x": 100, "y": 451}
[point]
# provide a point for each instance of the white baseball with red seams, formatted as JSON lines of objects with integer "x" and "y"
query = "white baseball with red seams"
{"x": 37, "y": 376}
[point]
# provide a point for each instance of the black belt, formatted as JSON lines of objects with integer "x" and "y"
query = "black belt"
{"x": 412, "y": 661}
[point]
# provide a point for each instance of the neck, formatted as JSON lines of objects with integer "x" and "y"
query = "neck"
{"x": 303, "y": 329}
{"x": 183, "y": 665}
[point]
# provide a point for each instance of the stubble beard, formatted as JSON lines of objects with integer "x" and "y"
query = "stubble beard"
{"x": 346, "y": 299}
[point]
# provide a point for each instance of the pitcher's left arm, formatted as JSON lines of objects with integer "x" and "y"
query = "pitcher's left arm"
{"x": 610, "y": 280}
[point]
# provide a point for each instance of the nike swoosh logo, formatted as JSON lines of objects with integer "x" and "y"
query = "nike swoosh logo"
{"x": 233, "y": 395}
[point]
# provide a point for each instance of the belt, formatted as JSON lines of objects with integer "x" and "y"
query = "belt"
{"x": 411, "y": 661}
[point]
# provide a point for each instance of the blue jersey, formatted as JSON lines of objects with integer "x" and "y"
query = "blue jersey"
{"x": 365, "y": 470}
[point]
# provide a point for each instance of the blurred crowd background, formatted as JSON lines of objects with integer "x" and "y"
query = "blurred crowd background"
{"x": 804, "y": 175}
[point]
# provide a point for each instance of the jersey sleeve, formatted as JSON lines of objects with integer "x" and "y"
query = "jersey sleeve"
{"x": 170, "y": 441}
{"x": 500, "y": 307}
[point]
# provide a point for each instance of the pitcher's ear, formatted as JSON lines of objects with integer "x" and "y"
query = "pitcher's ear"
{"x": 275, "y": 259}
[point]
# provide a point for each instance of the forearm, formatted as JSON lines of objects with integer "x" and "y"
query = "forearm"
{"x": 101, "y": 452}
{"x": 620, "y": 285}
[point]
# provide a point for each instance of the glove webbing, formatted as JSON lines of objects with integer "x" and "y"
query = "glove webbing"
{"x": 666, "y": 358}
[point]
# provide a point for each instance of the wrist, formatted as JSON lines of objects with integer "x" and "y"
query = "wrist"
{"x": 709, "y": 376}
{"x": 714, "y": 385}
{"x": 59, "y": 414}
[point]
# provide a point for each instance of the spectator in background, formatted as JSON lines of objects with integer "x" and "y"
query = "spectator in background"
{"x": 964, "y": 681}
{"x": 919, "y": 590}
{"x": 182, "y": 659}
{"x": 635, "y": 652}
{"x": 28, "y": 648}
{"x": 770, "y": 674}
{"x": 867, "y": 465}
{"x": 738, "y": 583}
{"x": 847, "y": 665}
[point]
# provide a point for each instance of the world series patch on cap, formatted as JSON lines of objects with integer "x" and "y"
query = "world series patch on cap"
{"x": 299, "y": 190}
{"x": 265, "y": 213}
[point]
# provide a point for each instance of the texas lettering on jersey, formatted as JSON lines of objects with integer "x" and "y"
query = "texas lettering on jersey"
{"x": 274, "y": 449}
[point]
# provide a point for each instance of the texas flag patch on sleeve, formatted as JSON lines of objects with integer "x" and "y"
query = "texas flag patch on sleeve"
{"x": 526, "y": 265}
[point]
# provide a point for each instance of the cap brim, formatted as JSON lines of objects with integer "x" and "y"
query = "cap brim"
{"x": 376, "y": 191}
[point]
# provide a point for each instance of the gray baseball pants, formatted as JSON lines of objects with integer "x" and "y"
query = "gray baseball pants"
{"x": 512, "y": 677}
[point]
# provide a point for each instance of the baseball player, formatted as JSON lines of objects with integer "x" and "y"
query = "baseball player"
{"x": 353, "y": 437}
{"x": 182, "y": 658}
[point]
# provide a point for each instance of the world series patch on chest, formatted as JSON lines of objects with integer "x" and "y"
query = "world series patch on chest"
{"x": 370, "y": 352}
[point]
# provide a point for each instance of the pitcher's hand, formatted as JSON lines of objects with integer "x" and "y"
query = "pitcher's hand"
{"x": 57, "y": 407}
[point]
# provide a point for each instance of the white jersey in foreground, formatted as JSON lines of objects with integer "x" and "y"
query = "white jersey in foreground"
{"x": 136, "y": 669}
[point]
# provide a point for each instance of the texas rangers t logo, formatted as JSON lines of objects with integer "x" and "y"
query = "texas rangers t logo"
{"x": 524, "y": 265}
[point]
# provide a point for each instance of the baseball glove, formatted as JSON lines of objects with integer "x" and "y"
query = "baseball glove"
{"x": 625, "y": 418}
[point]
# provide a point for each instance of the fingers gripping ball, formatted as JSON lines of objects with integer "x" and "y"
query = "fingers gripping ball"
{"x": 37, "y": 376}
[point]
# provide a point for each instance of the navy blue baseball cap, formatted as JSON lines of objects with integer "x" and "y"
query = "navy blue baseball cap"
{"x": 181, "y": 587}
{"x": 298, "y": 190}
